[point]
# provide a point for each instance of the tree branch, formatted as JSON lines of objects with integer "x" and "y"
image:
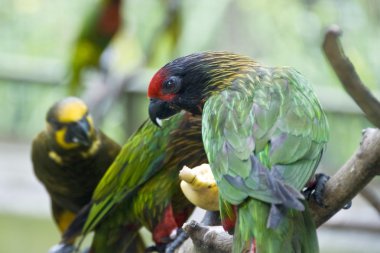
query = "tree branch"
{"x": 353, "y": 227}
{"x": 348, "y": 76}
{"x": 350, "y": 179}
{"x": 370, "y": 195}
{"x": 206, "y": 239}
{"x": 358, "y": 171}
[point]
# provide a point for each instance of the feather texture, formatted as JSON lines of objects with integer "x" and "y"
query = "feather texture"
{"x": 264, "y": 132}
{"x": 264, "y": 137}
{"x": 141, "y": 188}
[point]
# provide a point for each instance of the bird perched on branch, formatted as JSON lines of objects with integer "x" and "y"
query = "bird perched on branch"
{"x": 70, "y": 157}
{"x": 264, "y": 132}
{"x": 96, "y": 33}
{"x": 141, "y": 188}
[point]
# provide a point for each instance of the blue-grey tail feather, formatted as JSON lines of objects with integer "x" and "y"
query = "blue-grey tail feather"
{"x": 268, "y": 186}
{"x": 276, "y": 214}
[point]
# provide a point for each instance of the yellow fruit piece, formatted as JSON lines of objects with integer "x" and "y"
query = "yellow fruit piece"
{"x": 199, "y": 186}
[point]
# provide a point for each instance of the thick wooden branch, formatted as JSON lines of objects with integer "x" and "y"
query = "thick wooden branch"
{"x": 358, "y": 171}
{"x": 206, "y": 239}
{"x": 348, "y": 76}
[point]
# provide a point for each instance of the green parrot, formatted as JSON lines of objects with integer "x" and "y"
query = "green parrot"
{"x": 141, "y": 188}
{"x": 96, "y": 33}
{"x": 263, "y": 131}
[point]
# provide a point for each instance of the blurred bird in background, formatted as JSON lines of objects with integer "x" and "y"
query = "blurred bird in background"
{"x": 101, "y": 25}
{"x": 70, "y": 157}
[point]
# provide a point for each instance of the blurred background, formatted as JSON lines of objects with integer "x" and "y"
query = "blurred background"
{"x": 106, "y": 51}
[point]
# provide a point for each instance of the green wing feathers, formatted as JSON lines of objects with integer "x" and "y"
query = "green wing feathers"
{"x": 143, "y": 183}
{"x": 279, "y": 123}
{"x": 125, "y": 175}
{"x": 297, "y": 232}
{"x": 264, "y": 138}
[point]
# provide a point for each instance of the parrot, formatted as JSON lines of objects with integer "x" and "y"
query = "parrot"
{"x": 70, "y": 157}
{"x": 99, "y": 28}
{"x": 264, "y": 132}
{"x": 142, "y": 186}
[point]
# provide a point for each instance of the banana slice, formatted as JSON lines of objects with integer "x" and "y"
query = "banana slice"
{"x": 199, "y": 186}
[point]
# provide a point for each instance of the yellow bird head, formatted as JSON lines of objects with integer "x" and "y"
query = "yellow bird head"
{"x": 70, "y": 124}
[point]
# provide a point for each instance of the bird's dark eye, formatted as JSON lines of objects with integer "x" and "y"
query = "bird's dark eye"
{"x": 171, "y": 85}
{"x": 56, "y": 125}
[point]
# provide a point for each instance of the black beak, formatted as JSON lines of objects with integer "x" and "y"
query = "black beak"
{"x": 79, "y": 132}
{"x": 159, "y": 109}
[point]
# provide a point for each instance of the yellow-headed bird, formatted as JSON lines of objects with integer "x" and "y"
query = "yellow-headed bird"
{"x": 70, "y": 157}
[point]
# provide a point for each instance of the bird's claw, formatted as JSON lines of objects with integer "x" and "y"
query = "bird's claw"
{"x": 180, "y": 237}
{"x": 316, "y": 190}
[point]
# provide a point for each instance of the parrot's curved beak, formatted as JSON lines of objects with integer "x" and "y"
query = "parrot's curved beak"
{"x": 159, "y": 109}
{"x": 79, "y": 132}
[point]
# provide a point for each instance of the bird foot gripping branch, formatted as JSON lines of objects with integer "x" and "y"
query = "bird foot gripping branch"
{"x": 316, "y": 189}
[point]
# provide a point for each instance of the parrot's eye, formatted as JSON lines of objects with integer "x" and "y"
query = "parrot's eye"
{"x": 172, "y": 85}
{"x": 56, "y": 125}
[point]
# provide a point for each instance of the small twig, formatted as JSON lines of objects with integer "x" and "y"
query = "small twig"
{"x": 348, "y": 76}
{"x": 370, "y": 195}
{"x": 352, "y": 226}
